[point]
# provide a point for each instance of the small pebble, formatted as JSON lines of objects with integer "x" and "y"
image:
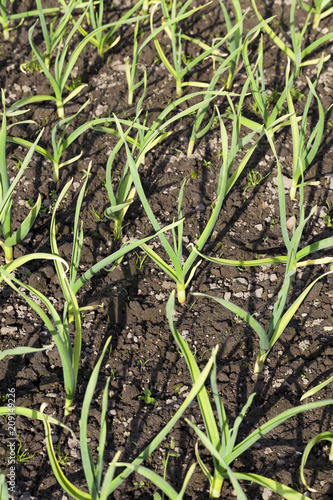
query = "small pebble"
{"x": 290, "y": 223}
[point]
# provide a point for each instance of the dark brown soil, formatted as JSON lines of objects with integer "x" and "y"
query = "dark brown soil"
{"x": 130, "y": 300}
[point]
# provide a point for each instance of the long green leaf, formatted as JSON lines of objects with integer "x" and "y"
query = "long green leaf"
{"x": 250, "y": 320}
{"x": 203, "y": 399}
{"x": 57, "y": 471}
{"x": 281, "y": 489}
{"x": 218, "y": 458}
{"x": 24, "y": 259}
{"x": 107, "y": 261}
{"x": 37, "y": 415}
{"x": 327, "y": 436}
{"x": 25, "y": 226}
{"x": 161, "y": 483}
{"x": 22, "y": 350}
{"x": 87, "y": 461}
{"x": 282, "y": 324}
{"x": 317, "y": 388}
{"x": 139, "y": 188}
{"x": 271, "y": 424}
{"x": 166, "y": 429}
{"x": 55, "y": 327}
{"x": 243, "y": 263}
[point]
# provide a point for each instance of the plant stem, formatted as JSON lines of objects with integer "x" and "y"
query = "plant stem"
{"x": 216, "y": 486}
{"x": 260, "y": 361}
{"x": 179, "y": 89}
{"x": 5, "y": 31}
{"x": 117, "y": 230}
{"x": 181, "y": 294}
{"x": 60, "y": 109}
{"x": 316, "y": 20}
{"x": 8, "y": 251}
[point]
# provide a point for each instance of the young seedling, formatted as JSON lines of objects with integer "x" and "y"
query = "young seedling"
{"x": 147, "y": 397}
{"x": 320, "y": 9}
{"x": 11, "y": 238}
{"x": 226, "y": 63}
{"x": 229, "y": 451}
{"x": 255, "y": 178}
{"x": 100, "y": 488}
{"x": 5, "y": 19}
{"x": 121, "y": 198}
{"x": 61, "y": 70}
{"x": 145, "y": 140}
{"x": 271, "y": 120}
{"x": 59, "y": 145}
{"x": 296, "y": 54}
{"x": 235, "y": 43}
{"x": 280, "y": 319}
{"x": 236, "y": 46}
{"x": 220, "y": 440}
{"x": 59, "y": 330}
{"x": 53, "y": 38}
{"x": 177, "y": 68}
{"x": 183, "y": 272}
{"x": 105, "y": 42}
{"x": 259, "y": 92}
{"x": 131, "y": 69}
{"x": 304, "y": 152}
{"x": 22, "y": 456}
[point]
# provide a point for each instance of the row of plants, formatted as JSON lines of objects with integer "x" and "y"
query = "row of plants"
{"x": 75, "y": 25}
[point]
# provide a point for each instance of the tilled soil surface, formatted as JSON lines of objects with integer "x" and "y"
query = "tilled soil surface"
{"x": 130, "y": 300}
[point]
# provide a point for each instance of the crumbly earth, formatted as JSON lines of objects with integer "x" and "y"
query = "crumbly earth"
{"x": 129, "y": 301}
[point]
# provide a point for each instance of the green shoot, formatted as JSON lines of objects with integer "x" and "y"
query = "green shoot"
{"x": 11, "y": 238}
{"x": 229, "y": 451}
{"x": 61, "y": 70}
{"x": 220, "y": 439}
{"x": 22, "y": 456}
{"x": 6, "y": 19}
{"x": 235, "y": 43}
{"x": 224, "y": 65}
{"x": 58, "y": 330}
{"x": 280, "y": 319}
{"x": 60, "y": 145}
{"x": 320, "y": 9}
{"x": 101, "y": 487}
{"x": 105, "y": 42}
{"x": 147, "y": 397}
{"x": 145, "y": 140}
{"x": 296, "y": 54}
{"x": 304, "y": 153}
{"x": 182, "y": 273}
{"x": 255, "y": 178}
{"x": 131, "y": 70}
{"x": 177, "y": 68}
